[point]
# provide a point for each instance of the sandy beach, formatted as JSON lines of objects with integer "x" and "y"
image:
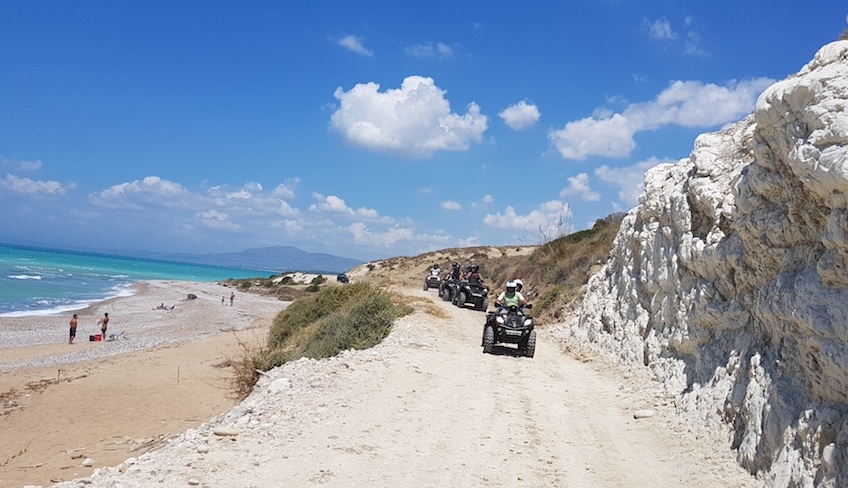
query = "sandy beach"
{"x": 164, "y": 372}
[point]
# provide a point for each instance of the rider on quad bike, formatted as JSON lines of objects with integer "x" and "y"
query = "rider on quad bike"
{"x": 510, "y": 324}
{"x": 471, "y": 289}
{"x": 434, "y": 279}
{"x": 511, "y": 296}
{"x": 473, "y": 273}
{"x": 448, "y": 285}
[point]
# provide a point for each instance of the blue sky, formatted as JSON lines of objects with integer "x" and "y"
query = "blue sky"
{"x": 365, "y": 129}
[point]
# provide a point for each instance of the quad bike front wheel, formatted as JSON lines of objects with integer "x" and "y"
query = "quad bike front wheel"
{"x": 530, "y": 348}
{"x": 488, "y": 339}
{"x": 460, "y": 300}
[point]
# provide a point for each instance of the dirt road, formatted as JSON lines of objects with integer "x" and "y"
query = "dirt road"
{"x": 428, "y": 408}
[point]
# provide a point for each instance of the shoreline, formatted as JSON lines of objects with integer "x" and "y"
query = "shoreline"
{"x": 135, "y": 319}
{"x": 109, "y": 401}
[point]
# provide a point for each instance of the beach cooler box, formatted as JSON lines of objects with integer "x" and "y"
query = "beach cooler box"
{"x": 95, "y": 337}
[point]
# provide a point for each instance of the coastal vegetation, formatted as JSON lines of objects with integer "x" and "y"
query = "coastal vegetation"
{"x": 555, "y": 272}
{"x": 321, "y": 325}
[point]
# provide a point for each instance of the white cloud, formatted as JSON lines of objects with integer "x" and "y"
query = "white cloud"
{"x": 451, "y": 205}
{"x": 414, "y": 120}
{"x": 488, "y": 199}
{"x": 550, "y": 219}
{"x": 685, "y": 103}
{"x": 630, "y": 180}
{"x": 660, "y": 29}
{"x": 214, "y": 219}
{"x": 364, "y": 236}
{"x": 286, "y": 190}
{"x": 151, "y": 191}
{"x": 578, "y": 186}
{"x": 27, "y": 186}
{"x": 425, "y": 190}
{"x": 286, "y": 210}
{"x": 17, "y": 165}
{"x": 335, "y": 205}
{"x": 430, "y": 50}
{"x": 354, "y": 44}
{"x": 520, "y": 115}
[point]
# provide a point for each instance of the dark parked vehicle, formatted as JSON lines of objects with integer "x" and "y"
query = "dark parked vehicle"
{"x": 510, "y": 325}
{"x": 473, "y": 292}
{"x": 342, "y": 278}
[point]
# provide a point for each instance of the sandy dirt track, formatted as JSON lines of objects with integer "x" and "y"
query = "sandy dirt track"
{"x": 428, "y": 408}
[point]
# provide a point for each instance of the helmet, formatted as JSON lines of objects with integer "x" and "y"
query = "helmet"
{"x": 455, "y": 265}
{"x": 518, "y": 283}
{"x": 510, "y": 286}
{"x": 468, "y": 268}
{"x": 475, "y": 267}
{"x": 436, "y": 266}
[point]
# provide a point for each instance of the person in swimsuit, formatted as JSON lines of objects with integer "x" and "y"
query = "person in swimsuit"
{"x": 103, "y": 323}
{"x": 73, "y": 329}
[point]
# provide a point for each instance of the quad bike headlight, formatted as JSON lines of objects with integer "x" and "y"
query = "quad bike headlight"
{"x": 499, "y": 319}
{"x": 528, "y": 322}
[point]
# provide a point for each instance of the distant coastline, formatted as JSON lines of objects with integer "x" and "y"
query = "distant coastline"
{"x": 36, "y": 281}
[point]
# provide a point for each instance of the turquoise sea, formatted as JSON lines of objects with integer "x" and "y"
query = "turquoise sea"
{"x": 38, "y": 281}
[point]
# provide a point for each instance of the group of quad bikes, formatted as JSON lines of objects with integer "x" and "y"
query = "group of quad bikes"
{"x": 507, "y": 325}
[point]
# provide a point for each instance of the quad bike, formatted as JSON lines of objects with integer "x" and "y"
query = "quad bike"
{"x": 447, "y": 289}
{"x": 473, "y": 292}
{"x": 510, "y": 325}
{"x": 432, "y": 281}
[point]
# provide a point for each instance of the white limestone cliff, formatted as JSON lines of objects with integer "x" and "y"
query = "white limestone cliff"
{"x": 730, "y": 280}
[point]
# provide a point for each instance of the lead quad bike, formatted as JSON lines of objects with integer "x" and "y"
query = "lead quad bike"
{"x": 510, "y": 325}
{"x": 473, "y": 292}
{"x": 433, "y": 280}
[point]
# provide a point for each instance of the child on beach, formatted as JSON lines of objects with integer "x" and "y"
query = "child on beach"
{"x": 73, "y": 330}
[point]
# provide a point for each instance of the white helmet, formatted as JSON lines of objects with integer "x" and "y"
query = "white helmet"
{"x": 518, "y": 283}
{"x": 510, "y": 286}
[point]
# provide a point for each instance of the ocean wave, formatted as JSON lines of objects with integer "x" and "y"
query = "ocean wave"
{"x": 51, "y": 307}
{"x": 24, "y": 277}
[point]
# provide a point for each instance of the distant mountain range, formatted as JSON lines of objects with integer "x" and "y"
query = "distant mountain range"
{"x": 275, "y": 259}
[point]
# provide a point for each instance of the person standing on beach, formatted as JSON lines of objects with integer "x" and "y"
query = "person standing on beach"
{"x": 232, "y": 296}
{"x": 222, "y": 299}
{"x": 104, "y": 321}
{"x": 73, "y": 330}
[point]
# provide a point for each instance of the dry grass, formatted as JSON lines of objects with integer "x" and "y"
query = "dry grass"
{"x": 554, "y": 274}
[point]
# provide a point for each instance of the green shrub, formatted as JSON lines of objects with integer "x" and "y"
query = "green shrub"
{"x": 548, "y": 299}
{"x": 331, "y": 320}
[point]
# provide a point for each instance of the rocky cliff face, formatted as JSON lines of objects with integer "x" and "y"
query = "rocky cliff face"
{"x": 730, "y": 280}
